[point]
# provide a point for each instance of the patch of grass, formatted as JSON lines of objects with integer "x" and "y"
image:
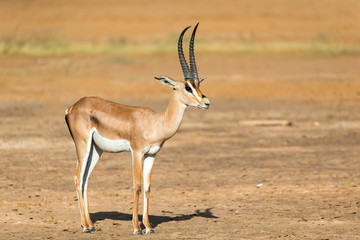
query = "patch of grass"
{"x": 51, "y": 47}
{"x": 119, "y": 60}
{"x": 285, "y": 47}
{"x": 118, "y": 41}
{"x": 16, "y": 45}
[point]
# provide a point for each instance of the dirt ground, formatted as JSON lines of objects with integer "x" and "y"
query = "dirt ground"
{"x": 218, "y": 178}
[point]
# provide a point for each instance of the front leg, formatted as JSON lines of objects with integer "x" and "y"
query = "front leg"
{"x": 148, "y": 164}
{"x": 137, "y": 167}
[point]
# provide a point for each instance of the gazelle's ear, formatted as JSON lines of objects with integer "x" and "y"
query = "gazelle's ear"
{"x": 167, "y": 81}
{"x": 202, "y": 79}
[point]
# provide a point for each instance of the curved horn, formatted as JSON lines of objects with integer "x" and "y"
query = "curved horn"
{"x": 184, "y": 66}
{"x": 193, "y": 69}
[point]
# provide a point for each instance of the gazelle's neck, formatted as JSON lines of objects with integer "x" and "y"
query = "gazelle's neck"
{"x": 173, "y": 115}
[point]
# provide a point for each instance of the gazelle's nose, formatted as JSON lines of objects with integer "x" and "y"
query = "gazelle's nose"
{"x": 206, "y": 102}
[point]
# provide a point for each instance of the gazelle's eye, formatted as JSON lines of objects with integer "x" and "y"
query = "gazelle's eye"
{"x": 187, "y": 88}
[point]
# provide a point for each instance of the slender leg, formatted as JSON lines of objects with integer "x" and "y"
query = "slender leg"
{"x": 147, "y": 169}
{"x": 93, "y": 158}
{"x": 77, "y": 178}
{"x": 137, "y": 166}
{"x": 82, "y": 153}
{"x": 88, "y": 156}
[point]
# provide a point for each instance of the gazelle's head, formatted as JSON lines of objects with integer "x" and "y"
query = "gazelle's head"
{"x": 188, "y": 89}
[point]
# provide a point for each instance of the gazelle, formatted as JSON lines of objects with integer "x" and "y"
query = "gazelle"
{"x": 98, "y": 125}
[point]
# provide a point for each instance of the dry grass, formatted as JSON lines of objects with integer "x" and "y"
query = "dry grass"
{"x": 58, "y": 47}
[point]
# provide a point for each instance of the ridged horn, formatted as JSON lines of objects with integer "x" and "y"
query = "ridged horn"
{"x": 183, "y": 63}
{"x": 193, "y": 68}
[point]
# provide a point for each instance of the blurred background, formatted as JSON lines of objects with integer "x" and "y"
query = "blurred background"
{"x": 132, "y": 41}
{"x": 258, "y": 21}
{"x": 62, "y": 42}
{"x": 275, "y": 157}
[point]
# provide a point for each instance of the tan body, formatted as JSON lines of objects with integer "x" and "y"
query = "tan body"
{"x": 97, "y": 125}
{"x": 144, "y": 130}
{"x": 142, "y": 127}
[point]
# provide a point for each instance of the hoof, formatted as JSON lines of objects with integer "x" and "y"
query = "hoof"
{"x": 87, "y": 231}
{"x": 150, "y": 232}
{"x": 138, "y": 233}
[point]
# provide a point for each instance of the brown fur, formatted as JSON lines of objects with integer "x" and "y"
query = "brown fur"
{"x": 142, "y": 127}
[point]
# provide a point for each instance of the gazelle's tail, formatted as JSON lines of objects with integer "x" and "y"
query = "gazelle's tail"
{"x": 67, "y": 121}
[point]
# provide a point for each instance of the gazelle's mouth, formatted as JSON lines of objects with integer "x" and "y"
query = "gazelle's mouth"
{"x": 204, "y": 107}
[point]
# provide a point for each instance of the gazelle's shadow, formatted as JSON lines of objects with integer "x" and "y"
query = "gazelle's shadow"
{"x": 155, "y": 220}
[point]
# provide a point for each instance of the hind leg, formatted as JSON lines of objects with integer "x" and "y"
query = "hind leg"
{"x": 94, "y": 156}
{"x": 88, "y": 156}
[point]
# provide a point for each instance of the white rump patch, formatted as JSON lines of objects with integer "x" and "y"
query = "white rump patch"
{"x": 109, "y": 145}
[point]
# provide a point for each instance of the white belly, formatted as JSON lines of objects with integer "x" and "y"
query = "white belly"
{"x": 109, "y": 145}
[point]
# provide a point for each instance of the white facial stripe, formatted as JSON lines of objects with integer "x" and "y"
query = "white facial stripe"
{"x": 194, "y": 91}
{"x": 109, "y": 145}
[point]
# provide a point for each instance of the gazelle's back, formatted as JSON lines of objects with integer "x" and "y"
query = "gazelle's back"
{"x": 113, "y": 115}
